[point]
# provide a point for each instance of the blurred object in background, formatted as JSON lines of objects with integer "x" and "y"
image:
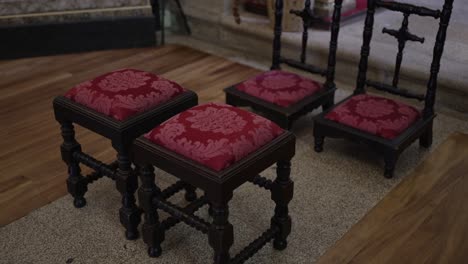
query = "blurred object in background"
{"x": 256, "y": 6}
{"x": 47, "y": 27}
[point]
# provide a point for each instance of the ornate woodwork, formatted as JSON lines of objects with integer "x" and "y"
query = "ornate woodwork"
{"x": 422, "y": 129}
{"x": 282, "y": 194}
{"x": 121, "y": 135}
{"x": 285, "y": 116}
{"x": 76, "y": 184}
{"x": 218, "y": 188}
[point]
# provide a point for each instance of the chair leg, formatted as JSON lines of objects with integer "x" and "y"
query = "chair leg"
{"x": 152, "y": 233}
{"x": 282, "y": 194}
{"x": 318, "y": 143}
{"x": 163, "y": 22}
{"x": 127, "y": 184}
{"x": 76, "y": 184}
{"x": 221, "y": 233}
{"x": 391, "y": 159}
{"x": 184, "y": 17}
{"x": 329, "y": 104}
{"x": 425, "y": 140}
{"x": 190, "y": 193}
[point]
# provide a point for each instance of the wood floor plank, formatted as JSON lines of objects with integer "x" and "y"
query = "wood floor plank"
{"x": 422, "y": 220}
{"x": 31, "y": 171}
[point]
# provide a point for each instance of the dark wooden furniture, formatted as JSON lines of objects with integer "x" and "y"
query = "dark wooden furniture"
{"x": 349, "y": 14}
{"x": 218, "y": 187}
{"x": 121, "y": 134}
{"x": 422, "y": 128}
{"x": 158, "y": 8}
{"x": 285, "y": 116}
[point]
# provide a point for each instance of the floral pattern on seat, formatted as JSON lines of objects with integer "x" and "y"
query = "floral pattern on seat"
{"x": 215, "y": 135}
{"x": 376, "y": 115}
{"x": 280, "y": 87}
{"x": 124, "y": 93}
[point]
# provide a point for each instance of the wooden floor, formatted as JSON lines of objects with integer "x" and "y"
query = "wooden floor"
{"x": 427, "y": 213}
{"x": 31, "y": 171}
{"x": 423, "y": 220}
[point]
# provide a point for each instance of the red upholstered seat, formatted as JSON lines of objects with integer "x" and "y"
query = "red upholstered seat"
{"x": 376, "y": 115}
{"x": 279, "y": 87}
{"x": 124, "y": 93}
{"x": 215, "y": 135}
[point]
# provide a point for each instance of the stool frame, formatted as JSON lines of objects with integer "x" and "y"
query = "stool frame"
{"x": 122, "y": 134}
{"x": 218, "y": 188}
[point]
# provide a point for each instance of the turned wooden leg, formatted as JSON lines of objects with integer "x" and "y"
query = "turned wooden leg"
{"x": 329, "y": 104}
{"x": 210, "y": 210}
{"x": 390, "y": 159}
{"x": 76, "y": 183}
{"x": 127, "y": 184}
{"x": 152, "y": 233}
{"x": 318, "y": 143}
{"x": 282, "y": 194}
{"x": 190, "y": 193}
{"x": 425, "y": 140}
{"x": 221, "y": 233}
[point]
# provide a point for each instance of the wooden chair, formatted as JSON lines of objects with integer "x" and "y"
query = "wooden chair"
{"x": 216, "y": 148}
{"x": 387, "y": 125}
{"x": 158, "y": 8}
{"x": 120, "y": 106}
{"x": 281, "y": 96}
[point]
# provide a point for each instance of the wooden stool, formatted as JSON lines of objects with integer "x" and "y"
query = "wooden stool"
{"x": 120, "y": 106}
{"x": 217, "y": 148}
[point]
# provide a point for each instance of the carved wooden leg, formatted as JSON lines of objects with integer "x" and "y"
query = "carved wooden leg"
{"x": 391, "y": 159}
{"x": 76, "y": 183}
{"x": 190, "y": 193}
{"x": 329, "y": 104}
{"x": 425, "y": 140}
{"x": 221, "y": 234}
{"x": 282, "y": 194}
{"x": 152, "y": 234}
{"x": 210, "y": 210}
{"x": 318, "y": 144}
{"x": 127, "y": 184}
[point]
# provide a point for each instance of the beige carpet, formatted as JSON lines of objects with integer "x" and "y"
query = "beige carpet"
{"x": 333, "y": 191}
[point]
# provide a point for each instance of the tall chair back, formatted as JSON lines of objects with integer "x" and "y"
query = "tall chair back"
{"x": 403, "y": 35}
{"x": 308, "y": 18}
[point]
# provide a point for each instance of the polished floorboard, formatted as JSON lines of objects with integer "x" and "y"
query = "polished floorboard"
{"x": 422, "y": 220}
{"x": 31, "y": 171}
{"x": 426, "y": 213}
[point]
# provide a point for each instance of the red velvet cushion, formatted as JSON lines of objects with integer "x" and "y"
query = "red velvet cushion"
{"x": 280, "y": 87}
{"x": 376, "y": 115}
{"x": 215, "y": 135}
{"x": 124, "y": 93}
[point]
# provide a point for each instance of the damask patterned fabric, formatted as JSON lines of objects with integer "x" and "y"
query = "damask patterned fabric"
{"x": 124, "y": 93}
{"x": 376, "y": 115}
{"x": 280, "y": 87}
{"x": 215, "y": 135}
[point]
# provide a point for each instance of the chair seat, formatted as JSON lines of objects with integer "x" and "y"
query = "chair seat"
{"x": 124, "y": 93}
{"x": 379, "y": 116}
{"x": 215, "y": 135}
{"x": 280, "y": 87}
